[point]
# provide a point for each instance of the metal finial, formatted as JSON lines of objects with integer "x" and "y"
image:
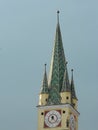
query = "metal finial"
{"x": 45, "y": 67}
{"x": 58, "y": 11}
{"x": 72, "y": 70}
{"x": 72, "y": 73}
{"x": 58, "y": 16}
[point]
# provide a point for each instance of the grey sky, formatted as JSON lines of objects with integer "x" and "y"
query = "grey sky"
{"x": 27, "y": 29}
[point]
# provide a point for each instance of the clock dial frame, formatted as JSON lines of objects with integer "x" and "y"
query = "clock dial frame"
{"x": 52, "y": 118}
{"x": 72, "y": 122}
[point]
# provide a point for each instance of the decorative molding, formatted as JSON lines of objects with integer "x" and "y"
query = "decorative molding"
{"x": 59, "y": 106}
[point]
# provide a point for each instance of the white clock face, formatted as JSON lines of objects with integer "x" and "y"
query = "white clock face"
{"x": 72, "y": 122}
{"x": 52, "y": 118}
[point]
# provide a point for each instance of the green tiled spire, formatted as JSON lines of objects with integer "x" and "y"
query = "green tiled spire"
{"x": 54, "y": 97}
{"x": 66, "y": 84}
{"x": 44, "y": 88}
{"x": 73, "y": 94}
{"x": 58, "y": 61}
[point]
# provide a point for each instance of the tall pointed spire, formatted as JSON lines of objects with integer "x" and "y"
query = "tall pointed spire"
{"x": 58, "y": 61}
{"x": 66, "y": 84}
{"x": 44, "y": 88}
{"x": 73, "y": 94}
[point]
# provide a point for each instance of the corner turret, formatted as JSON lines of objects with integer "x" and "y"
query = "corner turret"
{"x": 44, "y": 90}
{"x": 73, "y": 93}
{"x": 66, "y": 90}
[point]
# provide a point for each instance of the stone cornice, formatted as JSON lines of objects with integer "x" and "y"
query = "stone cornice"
{"x": 59, "y": 106}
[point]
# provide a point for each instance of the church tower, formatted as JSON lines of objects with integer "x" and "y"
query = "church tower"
{"x": 57, "y": 108}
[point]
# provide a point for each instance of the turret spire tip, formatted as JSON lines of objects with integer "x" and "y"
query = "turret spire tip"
{"x": 66, "y": 62}
{"x": 72, "y": 73}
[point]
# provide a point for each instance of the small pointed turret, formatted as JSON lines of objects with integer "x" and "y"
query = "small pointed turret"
{"x": 66, "y": 84}
{"x": 44, "y": 88}
{"x": 73, "y": 94}
{"x": 58, "y": 61}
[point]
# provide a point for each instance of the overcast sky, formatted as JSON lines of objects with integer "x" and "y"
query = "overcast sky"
{"x": 27, "y": 29}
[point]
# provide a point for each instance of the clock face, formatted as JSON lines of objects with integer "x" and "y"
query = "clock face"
{"x": 52, "y": 118}
{"x": 72, "y": 122}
